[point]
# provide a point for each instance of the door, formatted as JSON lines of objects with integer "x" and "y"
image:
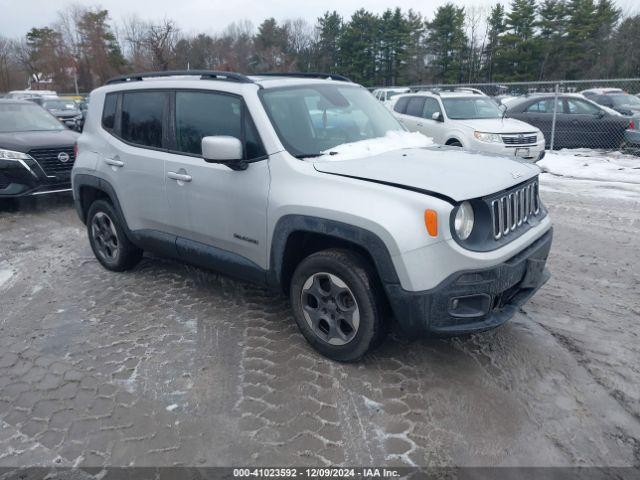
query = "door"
{"x": 540, "y": 115}
{"x": 413, "y": 113}
{"x": 133, "y": 160}
{"x": 588, "y": 124}
{"x": 213, "y": 204}
{"x": 430, "y": 127}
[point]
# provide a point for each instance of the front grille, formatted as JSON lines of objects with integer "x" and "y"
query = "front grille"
{"x": 49, "y": 161}
{"x": 5, "y": 181}
{"x": 511, "y": 211}
{"x": 525, "y": 139}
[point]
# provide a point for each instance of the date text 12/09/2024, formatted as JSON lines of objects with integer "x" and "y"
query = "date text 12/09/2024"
{"x": 315, "y": 473}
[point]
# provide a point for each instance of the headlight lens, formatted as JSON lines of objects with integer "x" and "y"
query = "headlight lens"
{"x": 11, "y": 155}
{"x": 463, "y": 222}
{"x": 488, "y": 137}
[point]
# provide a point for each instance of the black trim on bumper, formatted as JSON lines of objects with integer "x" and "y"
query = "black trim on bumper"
{"x": 507, "y": 286}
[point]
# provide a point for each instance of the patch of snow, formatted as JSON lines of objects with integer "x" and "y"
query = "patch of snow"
{"x": 372, "y": 405}
{"x": 586, "y": 164}
{"x": 393, "y": 140}
{"x": 590, "y": 188}
{"x": 5, "y": 275}
{"x": 172, "y": 407}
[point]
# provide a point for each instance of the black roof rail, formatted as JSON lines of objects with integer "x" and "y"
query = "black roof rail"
{"x": 203, "y": 74}
{"x": 332, "y": 76}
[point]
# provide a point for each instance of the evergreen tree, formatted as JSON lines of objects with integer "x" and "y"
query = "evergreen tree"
{"x": 359, "y": 47}
{"x": 415, "y": 49}
{"x": 327, "y": 48}
{"x": 446, "y": 43}
{"x": 102, "y": 57}
{"x": 518, "y": 58}
{"x": 495, "y": 28}
{"x": 552, "y": 29}
{"x": 393, "y": 46}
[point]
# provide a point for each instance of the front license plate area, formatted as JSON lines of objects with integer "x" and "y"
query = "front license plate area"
{"x": 523, "y": 152}
{"x": 534, "y": 274}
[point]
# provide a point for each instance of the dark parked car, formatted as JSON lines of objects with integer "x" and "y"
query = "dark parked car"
{"x": 67, "y": 111}
{"x": 580, "y": 123}
{"x": 36, "y": 150}
{"x": 624, "y": 103}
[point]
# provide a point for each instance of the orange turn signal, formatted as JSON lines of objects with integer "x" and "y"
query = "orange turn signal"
{"x": 431, "y": 222}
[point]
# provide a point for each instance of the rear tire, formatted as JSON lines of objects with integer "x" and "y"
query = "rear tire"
{"x": 338, "y": 304}
{"x": 108, "y": 241}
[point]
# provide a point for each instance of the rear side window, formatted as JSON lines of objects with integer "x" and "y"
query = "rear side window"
{"x": 142, "y": 114}
{"x": 401, "y": 104}
{"x": 202, "y": 114}
{"x": 109, "y": 111}
{"x": 415, "y": 106}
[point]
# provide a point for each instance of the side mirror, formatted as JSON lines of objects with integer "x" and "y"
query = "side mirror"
{"x": 437, "y": 116}
{"x": 223, "y": 149}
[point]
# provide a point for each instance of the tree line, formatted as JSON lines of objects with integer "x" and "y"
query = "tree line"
{"x": 526, "y": 40}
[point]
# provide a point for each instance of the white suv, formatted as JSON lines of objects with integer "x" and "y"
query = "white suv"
{"x": 470, "y": 120}
{"x": 385, "y": 95}
{"x": 311, "y": 187}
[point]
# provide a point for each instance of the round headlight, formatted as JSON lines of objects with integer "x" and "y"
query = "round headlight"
{"x": 463, "y": 223}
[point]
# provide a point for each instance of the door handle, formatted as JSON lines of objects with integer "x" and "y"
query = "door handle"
{"x": 419, "y": 125}
{"x": 114, "y": 162}
{"x": 181, "y": 177}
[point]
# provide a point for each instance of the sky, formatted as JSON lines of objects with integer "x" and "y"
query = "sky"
{"x": 211, "y": 16}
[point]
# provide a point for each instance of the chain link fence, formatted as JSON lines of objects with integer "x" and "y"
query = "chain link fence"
{"x": 588, "y": 114}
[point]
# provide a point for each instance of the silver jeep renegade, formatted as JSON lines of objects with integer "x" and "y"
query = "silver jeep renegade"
{"x": 306, "y": 183}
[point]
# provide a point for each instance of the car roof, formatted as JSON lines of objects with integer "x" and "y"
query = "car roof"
{"x": 7, "y": 101}
{"x": 603, "y": 91}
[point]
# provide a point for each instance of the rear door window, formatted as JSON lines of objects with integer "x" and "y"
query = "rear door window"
{"x": 142, "y": 117}
{"x": 415, "y": 106}
{"x": 401, "y": 104}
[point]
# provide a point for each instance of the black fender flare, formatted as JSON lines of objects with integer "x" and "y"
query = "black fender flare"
{"x": 368, "y": 241}
{"x": 84, "y": 180}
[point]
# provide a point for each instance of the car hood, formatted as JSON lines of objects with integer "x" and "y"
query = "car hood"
{"x": 65, "y": 113}
{"x": 497, "y": 125}
{"x": 447, "y": 172}
{"x": 25, "y": 141}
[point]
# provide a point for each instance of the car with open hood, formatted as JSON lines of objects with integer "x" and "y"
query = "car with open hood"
{"x": 36, "y": 150}
{"x": 306, "y": 184}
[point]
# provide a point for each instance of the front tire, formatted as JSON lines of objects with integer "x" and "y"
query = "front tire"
{"x": 108, "y": 241}
{"x": 337, "y": 304}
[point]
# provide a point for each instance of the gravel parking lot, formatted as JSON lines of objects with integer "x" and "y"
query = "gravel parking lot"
{"x": 171, "y": 365}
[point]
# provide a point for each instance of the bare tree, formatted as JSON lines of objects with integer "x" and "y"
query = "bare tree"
{"x": 161, "y": 39}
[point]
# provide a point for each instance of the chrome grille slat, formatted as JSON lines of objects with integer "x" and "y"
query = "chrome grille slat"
{"x": 513, "y": 209}
{"x": 526, "y": 139}
{"x": 47, "y": 158}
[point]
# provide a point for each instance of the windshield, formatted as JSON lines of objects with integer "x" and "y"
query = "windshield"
{"x": 15, "y": 117}
{"x": 467, "y": 108}
{"x": 310, "y": 119}
{"x": 59, "y": 105}
{"x": 624, "y": 100}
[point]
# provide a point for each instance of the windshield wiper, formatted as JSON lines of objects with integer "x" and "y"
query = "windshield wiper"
{"x": 308, "y": 155}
